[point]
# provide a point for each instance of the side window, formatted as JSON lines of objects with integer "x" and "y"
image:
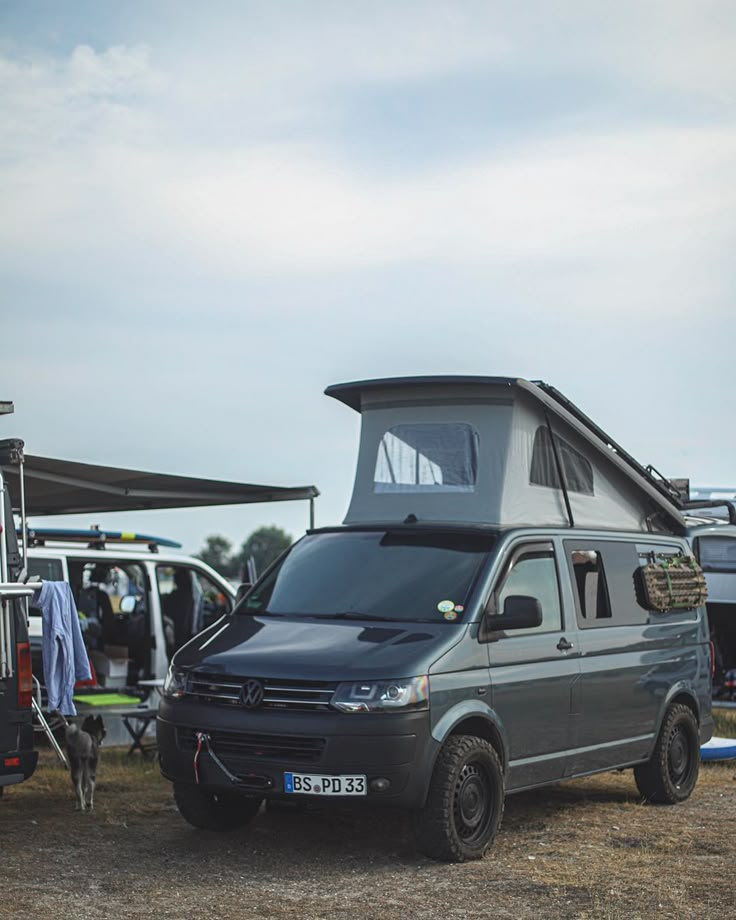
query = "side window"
{"x": 47, "y": 570}
{"x": 717, "y": 554}
{"x": 577, "y": 469}
{"x": 177, "y": 590}
{"x": 533, "y": 573}
{"x": 212, "y": 602}
{"x": 604, "y": 578}
{"x": 590, "y": 585}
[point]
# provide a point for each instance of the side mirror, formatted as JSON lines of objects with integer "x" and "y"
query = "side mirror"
{"x": 519, "y": 612}
{"x": 128, "y": 603}
{"x": 243, "y": 589}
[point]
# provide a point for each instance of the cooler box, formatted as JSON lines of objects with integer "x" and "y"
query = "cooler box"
{"x": 111, "y": 666}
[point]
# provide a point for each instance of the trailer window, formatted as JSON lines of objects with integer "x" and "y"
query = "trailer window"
{"x": 432, "y": 457}
{"x": 717, "y": 554}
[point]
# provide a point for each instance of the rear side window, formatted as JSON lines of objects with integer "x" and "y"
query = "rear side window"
{"x": 604, "y": 583}
{"x": 590, "y": 585}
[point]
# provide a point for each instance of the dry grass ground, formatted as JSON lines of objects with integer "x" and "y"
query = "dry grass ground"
{"x": 587, "y": 848}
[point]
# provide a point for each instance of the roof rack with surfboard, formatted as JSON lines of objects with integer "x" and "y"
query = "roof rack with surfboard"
{"x": 94, "y": 538}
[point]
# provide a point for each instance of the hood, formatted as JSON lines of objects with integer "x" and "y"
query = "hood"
{"x": 300, "y": 648}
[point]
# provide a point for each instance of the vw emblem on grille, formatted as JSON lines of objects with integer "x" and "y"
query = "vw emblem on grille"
{"x": 251, "y": 693}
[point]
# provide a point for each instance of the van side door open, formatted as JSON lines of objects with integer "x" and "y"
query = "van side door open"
{"x": 533, "y": 670}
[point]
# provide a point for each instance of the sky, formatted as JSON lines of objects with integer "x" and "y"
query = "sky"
{"x": 210, "y": 212}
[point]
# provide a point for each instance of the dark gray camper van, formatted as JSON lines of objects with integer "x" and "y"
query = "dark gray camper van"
{"x": 17, "y": 757}
{"x": 486, "y": 620}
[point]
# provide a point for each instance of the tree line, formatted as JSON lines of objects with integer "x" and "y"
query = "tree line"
{"x": 265, "y": 544}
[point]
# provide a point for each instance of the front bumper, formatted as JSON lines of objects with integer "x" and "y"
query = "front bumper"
{"x": 259, "y": 746}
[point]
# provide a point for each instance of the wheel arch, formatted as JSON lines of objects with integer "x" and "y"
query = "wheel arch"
{"x": 473, "y": 718}
{"x": 679, "y": 693}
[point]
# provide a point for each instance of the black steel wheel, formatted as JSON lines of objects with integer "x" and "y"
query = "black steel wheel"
{"x": 214, "y": 811}
{"x": 670, "y": 775}
{"x": 465, "y": 801}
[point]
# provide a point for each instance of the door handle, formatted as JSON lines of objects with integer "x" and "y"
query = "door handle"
{"x": 563, "y": 645}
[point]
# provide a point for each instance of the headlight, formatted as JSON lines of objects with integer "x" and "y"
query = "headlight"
{"x": 382, "y": 695}
{"x": 175, "y": 684}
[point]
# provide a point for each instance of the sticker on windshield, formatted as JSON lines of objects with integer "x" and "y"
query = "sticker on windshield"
{"x": 459, "y": 608}
{"x": 450, "y": 615}
{"x": 446, "y": 606}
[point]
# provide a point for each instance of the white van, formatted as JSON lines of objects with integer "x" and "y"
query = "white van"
{"x": 138, "y": 599}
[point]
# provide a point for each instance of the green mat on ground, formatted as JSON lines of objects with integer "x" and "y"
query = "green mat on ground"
{"x": 107, "y": 699}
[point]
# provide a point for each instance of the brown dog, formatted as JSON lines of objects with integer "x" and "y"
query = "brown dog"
{"x": 83, "y": 747}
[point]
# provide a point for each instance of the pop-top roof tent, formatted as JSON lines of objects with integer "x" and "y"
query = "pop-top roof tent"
{"x": 67, "y": 487}
{"x": 500, "y": 451}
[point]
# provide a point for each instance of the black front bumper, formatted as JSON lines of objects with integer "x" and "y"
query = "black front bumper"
{"x": 258, "y": 747}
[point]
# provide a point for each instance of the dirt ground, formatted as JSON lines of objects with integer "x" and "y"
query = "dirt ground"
{"x": 587, "y": 848}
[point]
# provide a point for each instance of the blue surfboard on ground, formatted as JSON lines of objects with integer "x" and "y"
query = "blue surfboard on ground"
{"x": 718, "y": 749}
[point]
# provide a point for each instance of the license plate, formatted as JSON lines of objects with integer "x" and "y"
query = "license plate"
{"x": 311, "y": 784}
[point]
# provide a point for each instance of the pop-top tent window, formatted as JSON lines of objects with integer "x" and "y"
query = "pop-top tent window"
{"x": 432, "y": 457}
{"x": 578, "y": 471}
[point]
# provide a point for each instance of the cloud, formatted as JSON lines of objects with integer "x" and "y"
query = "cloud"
{"x": 50, "y": 103}
{"x": 657, "y": 195}
{"x": 238, "y": 207}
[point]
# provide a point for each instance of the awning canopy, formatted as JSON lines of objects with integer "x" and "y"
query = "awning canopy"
{"x": 67, "y": 487}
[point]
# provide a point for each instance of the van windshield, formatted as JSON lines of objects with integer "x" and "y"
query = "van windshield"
{"x": 374, "y": 575}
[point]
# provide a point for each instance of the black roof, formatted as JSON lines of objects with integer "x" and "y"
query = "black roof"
{"x": 351, "y": 393}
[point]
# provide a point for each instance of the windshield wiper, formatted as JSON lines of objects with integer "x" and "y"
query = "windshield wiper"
{"x": 260, "y": 613}
{"x": 351, "y": 615}
{"x": 354, "y": 615}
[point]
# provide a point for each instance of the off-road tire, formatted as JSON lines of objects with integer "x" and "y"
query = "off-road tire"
{"x": 670, "y": 775}
{"x": 214, "y": 811}
{"x": 464, "y": 805}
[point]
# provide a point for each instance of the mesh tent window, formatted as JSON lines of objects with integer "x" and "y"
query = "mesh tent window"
{"x": 431, "y": 457}
{"x": 578, "y": 471}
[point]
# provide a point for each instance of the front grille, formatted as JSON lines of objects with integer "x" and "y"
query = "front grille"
{"x": 290, "y": 748}
{"x": 303, "y": 695}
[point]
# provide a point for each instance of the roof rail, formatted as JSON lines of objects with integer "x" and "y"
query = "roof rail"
{"x": 663, "y": 485}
